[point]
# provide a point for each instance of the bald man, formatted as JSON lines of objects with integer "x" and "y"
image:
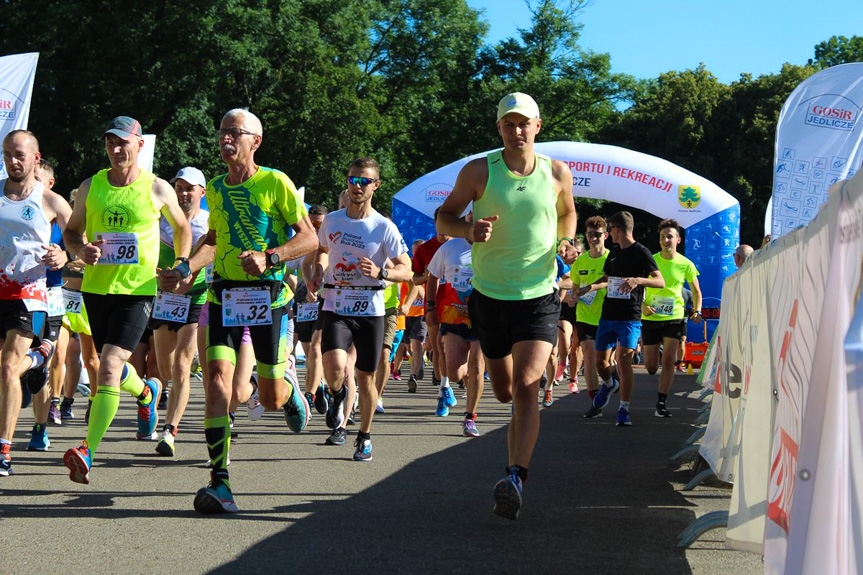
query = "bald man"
{"x": 742, "y": 253}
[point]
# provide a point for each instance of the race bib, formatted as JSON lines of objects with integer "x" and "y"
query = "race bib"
{"x": 613, "y": 290}
{"x": 208, "y": 273}
{"x": 359, "y": 302}
{"x": 246, "y": 306}
{"x": 55, "y": 302}
{"x": 120, "y": 249}
{"x": 587, "y": 299}
{"x": 663, "y": 305}
{"x": 172, "y": 307}
{"x": 35, "y": 305}
{"x": 73, "y": 300}
{"x": 461, "y": 279}
{"x": 307, "y": 312}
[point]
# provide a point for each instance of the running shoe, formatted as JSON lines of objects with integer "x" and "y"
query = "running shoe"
{"x": 623, "y": 418}
{"x": 661, "y": 410}
{"x": 364, "y": 449}
{"x": 254, "y": 408}
{"x": 163, "y": 400}
{"x": 66, "y": 409}
{"x": 593, "y": 412}
{"x": 297, "y": 411}
{"x": 615, "y": 380}
{"x": 54, "y": 417}
{"x": 573, "y": 386}
{"x": 209, "y": 464}
{"x": 442, "y": 408}
{"x": 679, "y": 366}
{"x": 291, "y": 371}
{"x": 351, "y": 420}
{"x": 84, "y": 389}
{"x": 449, "y": 397}
{"x": 338, "y": 437}
{"x": 412, "y": 384}
{"x": 379, "y": 408}
{"x": 397, "y": 374}
{"x": 148, "y": 413}
{"x": 468, "y": 428}
{"x": 39, "y": 439}
{"x": 561, "y": 367}
{"x": 335, "y": 417}
{"x": 547, "y": 400}
{"x": 543, "y": 381}
{"x": 507, "y": 495}
{"x": 37, "y": 377}
{"x": 603, "y": 396}
{"x": 215, "y": 498}
{"x": 5, "y": 465}
{"x": 322, "y": 400}
{"x": 79, "y": 460}
{"x": 166, "y": 444}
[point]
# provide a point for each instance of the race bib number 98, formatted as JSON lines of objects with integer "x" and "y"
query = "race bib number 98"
{"x": 120, "y": 249}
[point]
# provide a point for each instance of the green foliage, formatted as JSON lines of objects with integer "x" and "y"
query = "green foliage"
{"x": 838, "y": 50}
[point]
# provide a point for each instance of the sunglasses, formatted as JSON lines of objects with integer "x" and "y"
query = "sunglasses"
{"x": 594, "y": 234}
{"x": 362, "y": 182}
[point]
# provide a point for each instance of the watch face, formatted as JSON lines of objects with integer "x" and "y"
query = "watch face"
{"x": 273, "y": 258}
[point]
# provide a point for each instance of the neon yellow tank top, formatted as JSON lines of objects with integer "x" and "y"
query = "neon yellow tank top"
{"x": 517, "y": 263}
{"x": 128, "y": 209}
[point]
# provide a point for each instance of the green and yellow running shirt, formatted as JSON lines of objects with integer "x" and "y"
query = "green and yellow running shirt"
{"x": 391, "y": 296}
{"x": 585, "y": 271}
{"x": 255, "y": 215}
{"x": 668, "y": 302}
{"x": 518, "y": 261}
{"x": 125, "y": 213}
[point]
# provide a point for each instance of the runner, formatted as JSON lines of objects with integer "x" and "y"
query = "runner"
{"x": 391, "y": 320}
{"x": 629, "y": 268}
{"x": 118, "y": 211}
{"x": 586, "y": 270}
{"x": 175, "y": 316}
{"x": 524, "y": 214}
{"x": 251, "y": 209}
{"x": 415, "y": 328}
{"x": 356, "y": 244}
{"x": 27, "y": 210}
{"x": 419, "y": 264}
{"x": 663, "y": 311}
{"x": 562, "y": 284}
{"x": 453, "y": 265}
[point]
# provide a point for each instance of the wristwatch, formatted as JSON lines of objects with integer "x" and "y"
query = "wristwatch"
{"x": 383, "y": 274}
{"x": 272, "y": 258}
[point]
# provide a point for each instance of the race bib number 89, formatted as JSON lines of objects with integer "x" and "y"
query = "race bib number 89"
{"x": 354, "y": 302}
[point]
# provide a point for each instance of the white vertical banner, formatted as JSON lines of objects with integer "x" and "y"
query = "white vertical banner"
{"x": 147, "y": 153}
{"x": 17, "y": 73}
{"x": 818, "y": 143}
{"x": 854, "y": 367}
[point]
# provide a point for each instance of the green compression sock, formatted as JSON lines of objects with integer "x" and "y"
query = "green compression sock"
{"x": 102, "y": 413}
{"x": 218, "y": 433}
{"x": 130, "y": 382}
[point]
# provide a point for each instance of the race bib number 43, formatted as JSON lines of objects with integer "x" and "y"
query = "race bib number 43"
{"x": 172, "y": 307}
{"x": 120, "y": 249}
{"x": 246, "y": 306}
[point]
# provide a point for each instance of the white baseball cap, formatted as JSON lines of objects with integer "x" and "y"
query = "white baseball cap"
{"x": 192, "y": 175}
{"x": 519, "y": 103}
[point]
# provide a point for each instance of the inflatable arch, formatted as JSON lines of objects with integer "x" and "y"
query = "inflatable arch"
{"x": 710, "y": 215}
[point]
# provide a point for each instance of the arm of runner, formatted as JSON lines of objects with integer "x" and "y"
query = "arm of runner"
{"x": 655, "y": 280}
{"x": 57, "y": 210}
{"x": 469, "y": 186}
{"x": 412, "y": 295}
{"x": 696, "y": 300}
{"x": 431, "y": 291}
{"x": 567, "y": 220}
{"x": 319, "y": 263}
{"x": 74, "y": 234}
{"x": 601, "y": 283}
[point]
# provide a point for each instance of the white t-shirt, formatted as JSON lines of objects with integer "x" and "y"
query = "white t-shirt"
{"x": 452, "y": 264}
{"x": 348, "y": 241}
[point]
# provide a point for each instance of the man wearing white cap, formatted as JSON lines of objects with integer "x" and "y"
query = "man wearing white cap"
{"x": 524, "y": 216}
{"x": 174, "y": 319}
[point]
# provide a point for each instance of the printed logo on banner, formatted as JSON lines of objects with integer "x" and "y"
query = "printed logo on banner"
{"x": 834, "y": 112}
{"x": 689, "y": 196}
{"x": 8, "y": 111}
{"x": 437, "y": 193}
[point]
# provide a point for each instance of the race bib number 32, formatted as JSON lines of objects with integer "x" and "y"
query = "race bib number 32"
{"x": 246, "y": 306}
{"x": 119, "y": 249}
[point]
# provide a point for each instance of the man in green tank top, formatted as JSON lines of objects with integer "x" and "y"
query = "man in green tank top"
{"x": 524, "y": 215}
{"x": 114, "y": 230}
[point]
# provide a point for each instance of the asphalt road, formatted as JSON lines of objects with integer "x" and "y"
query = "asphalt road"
{"x": 600, "y": 499}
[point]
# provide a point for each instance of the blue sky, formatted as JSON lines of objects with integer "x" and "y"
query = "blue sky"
{"x": 730, "y": 36}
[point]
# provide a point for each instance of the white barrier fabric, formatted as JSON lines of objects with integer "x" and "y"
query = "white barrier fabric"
{"x": 786, "y": 442}
{"x": 819, "y": 141}
{"x": 147, "y": 153}
{"x": 17, "y": 73}
{"x": 854, "y": 367}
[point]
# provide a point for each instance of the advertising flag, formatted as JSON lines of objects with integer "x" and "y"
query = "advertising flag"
{"x": 17, "y": 73}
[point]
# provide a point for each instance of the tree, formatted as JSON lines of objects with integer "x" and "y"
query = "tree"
{"x": 838, "y": 50}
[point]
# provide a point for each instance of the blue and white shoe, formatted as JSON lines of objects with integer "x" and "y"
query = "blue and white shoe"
{"x": 5, "y": 466}
{"x": 603, "y": 396}
{"x": 215, "y": 498}
{"x": 297, "y": 411}
{"x": 449, "y": 397}
{"x": 39, "y": 439}
{"x": 615, "y": 380}
{"x": 79, "y": 460}
{"x": 335, "y": 417}
{"x": 507, "y": 495}
{"x": 148, "y": 413}
{"x": 364, "y": 449}
{"x": 623, "y": 418}
{"x": 442, "y": 409}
